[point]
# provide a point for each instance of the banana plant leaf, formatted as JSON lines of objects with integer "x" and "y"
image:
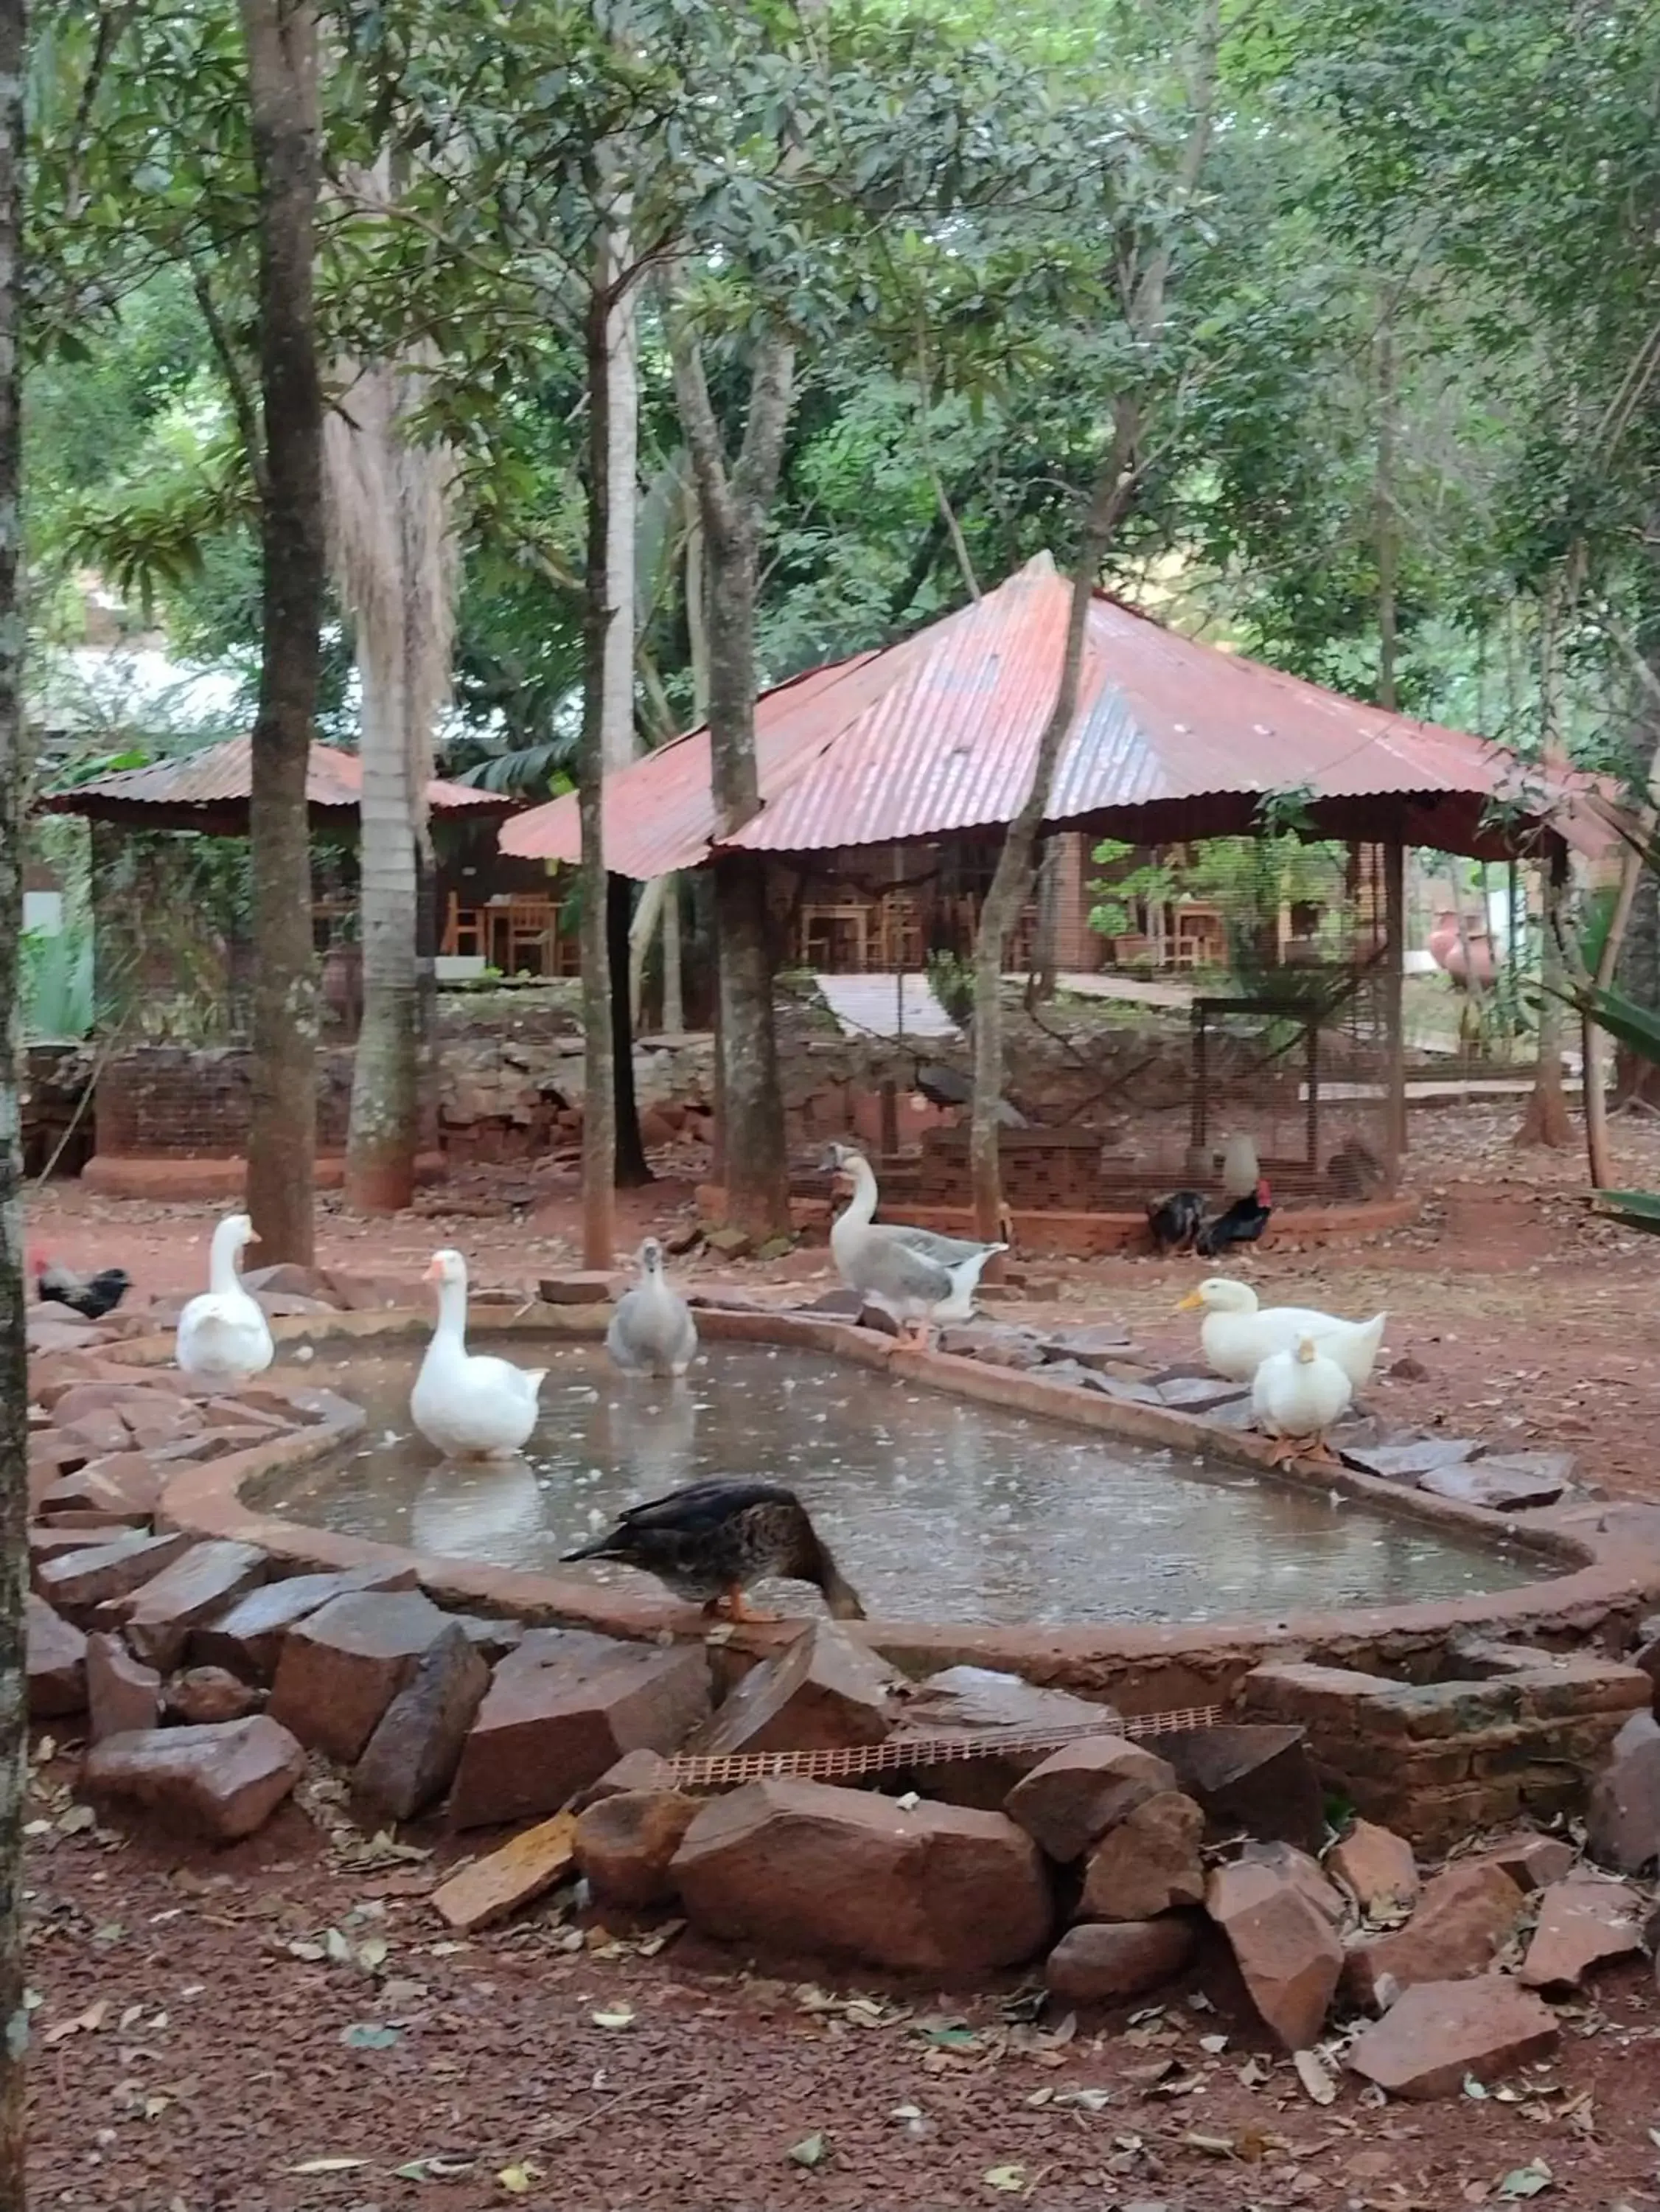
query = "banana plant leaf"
{"x": 1634, "y": 1025}
{"x": 1637, "y": 1209}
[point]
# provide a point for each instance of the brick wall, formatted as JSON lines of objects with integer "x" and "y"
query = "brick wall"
{"x": 179, "y": 1102}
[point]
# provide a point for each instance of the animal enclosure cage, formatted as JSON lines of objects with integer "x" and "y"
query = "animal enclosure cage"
{"x": 1286, "y": 1040}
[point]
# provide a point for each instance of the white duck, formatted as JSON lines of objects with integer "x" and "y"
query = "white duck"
{"x": 1297, "y": 1397}
{"x": 468, "y": 1405}
{"x": 224, "y": 1339}
{"x": 920, "y": 1278}
{"x": 1238, "y": 1334}
{"x": 652, "y": 1331}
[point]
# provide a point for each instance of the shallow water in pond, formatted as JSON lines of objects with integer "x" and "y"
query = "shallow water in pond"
{"x": 937, "y": 1508}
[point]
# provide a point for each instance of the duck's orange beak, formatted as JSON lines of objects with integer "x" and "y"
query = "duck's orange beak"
{"x": 433, "y": 1272}
{"x": 1190, "y": 1302}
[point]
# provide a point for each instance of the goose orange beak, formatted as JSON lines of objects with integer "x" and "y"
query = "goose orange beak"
{"x": 430, "y": 1273}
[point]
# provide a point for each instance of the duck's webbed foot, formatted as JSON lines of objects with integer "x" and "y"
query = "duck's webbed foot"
{"x": 732, "y": 1605}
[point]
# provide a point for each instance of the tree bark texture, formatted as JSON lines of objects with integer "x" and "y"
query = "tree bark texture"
{"x": 1013, "y": 877}
{"x": 599, "y": 1143}
{"x": 393, "y": 544}
{"x": 384, "y": 1134}
{"x": 632, "y": 1169}
{"x": 281, "y": 36}
{"x": 732, "y": 499}
{"x": 13, "y": 1383}
{"x": 1544, "y": 1121}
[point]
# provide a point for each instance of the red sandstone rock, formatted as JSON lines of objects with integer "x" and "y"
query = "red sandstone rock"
{"x": 636, "y": 1770}
{"x": 1581, "y": 1922}
{"x": 413, "y": 1753}
{"x": 493, "y": 1887}
{"x": 56, "y": 1661}
{"x": 203, "y": 1695}
{"x": 77, "y": 1581}
{"x": 217, "y": 1783}
{"x": 1622, "y": 1819}
{"x": 970, "y": 1700}
{"x": 343, "y": 1667}
{"x": 1464, "y": 1919}
{"x": 248, "y": 1637}
{"x": 591, "y": 1287}
{"x": 1072, "y": 1799}
{"x": 1440, "y": 2032}
{"x": 933, "y": 1889}
{"x": 99, "y": 1430}
{"x": 288, "y": 1279}
{"x": 825, "y": 1692}
{"x": 1533, "y": 1861}
{"x": 1147, "y": 1864}
{"x": 122, "y": 1694}
{"x": 1254, "y": 1779}
{"x": 1303, "y": 1873}
{"x": 1511, "y": 1483}
{"x": 56, "y": 1541}
{"x": 1379, "y": 1868}
{"x": 1100, "y": 1961}
{"x": 625, "y": 1842}
{"x": 564, "y": 1707}
{"x": 1287, "y": 1948}
{"x": 159, "y": 1619}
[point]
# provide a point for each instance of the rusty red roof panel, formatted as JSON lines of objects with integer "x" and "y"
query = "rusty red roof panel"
{"x": 223, "y": 774}
{"x": 940, "y": 734}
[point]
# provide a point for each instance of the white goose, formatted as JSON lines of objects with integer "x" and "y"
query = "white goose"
{"x": 468, "y": 1405}
{"x": 920, "y": 1278}
{"x": 1297, "y": 1397}
{"x": 1238, "y": 1334}
{"x": 224, "y": 1339}
{"x": 652, "y": 1331}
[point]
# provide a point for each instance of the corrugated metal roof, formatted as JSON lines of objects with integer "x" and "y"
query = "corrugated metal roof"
{"x": 224, "y": 775}
{"x": 940, "y": 734}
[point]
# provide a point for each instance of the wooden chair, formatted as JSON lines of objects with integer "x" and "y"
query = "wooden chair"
{"x": 465, "y": 932}
{"x": 532, "y": 925}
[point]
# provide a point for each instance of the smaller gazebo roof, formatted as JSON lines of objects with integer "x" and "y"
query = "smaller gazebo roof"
{"x": 209, "y": 792}
{"x": 1175, "y": 738}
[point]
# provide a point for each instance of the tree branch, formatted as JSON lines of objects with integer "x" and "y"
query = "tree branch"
{"x": 243, "y": 404}
{"x": 704, "y": 441}
{"x": 770, "y": 392}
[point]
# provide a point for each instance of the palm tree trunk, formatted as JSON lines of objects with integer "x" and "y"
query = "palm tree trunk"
{"x": 281, "y": 36}
{"x": 13, "y": 1381}
{"x": 383, "y": 1137}
{"x": 391, "y": 512}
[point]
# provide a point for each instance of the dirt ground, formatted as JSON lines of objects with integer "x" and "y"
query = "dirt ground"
{"x": 203, "y": 2044}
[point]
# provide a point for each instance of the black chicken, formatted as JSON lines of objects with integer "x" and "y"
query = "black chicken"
{"x": 90, "y": 1295}
{"x": 1174, "y": 1221}
{"x": 1243, "y": 1222}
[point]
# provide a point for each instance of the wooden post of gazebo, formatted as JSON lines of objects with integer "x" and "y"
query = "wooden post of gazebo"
{"x": 1394, "y": 1043}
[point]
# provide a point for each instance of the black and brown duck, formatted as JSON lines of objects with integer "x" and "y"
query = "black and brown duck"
{"x": 710, "y": 1541}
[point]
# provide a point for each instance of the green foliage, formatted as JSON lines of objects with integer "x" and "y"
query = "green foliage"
{"x": 56, "y": 982}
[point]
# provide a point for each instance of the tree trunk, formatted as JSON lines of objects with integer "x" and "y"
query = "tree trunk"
{"x": 1013, "y": 878}
{"x": 281, "y": 36}
{"x": 1545, "y": 1118}
{"x": 732, "y": 502}
{"x": 633, "y": 1169}
{"x": 391, "y": 515}
{"x": 674, "y": 997}
{"x": 599, "y": 1081}
{"x": 1544, "y": 1121}
{"x": 384, "y": 1134}
{"x": 756, "y": 1160}
{"x": 619, "y": 739}
{"x": 13, "y": 1381}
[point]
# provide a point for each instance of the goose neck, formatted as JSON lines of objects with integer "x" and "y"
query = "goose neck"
{"x": 452, "y": 1314}
{"x": 862, "y": 1206}
{"x": 223, "y": 1274}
